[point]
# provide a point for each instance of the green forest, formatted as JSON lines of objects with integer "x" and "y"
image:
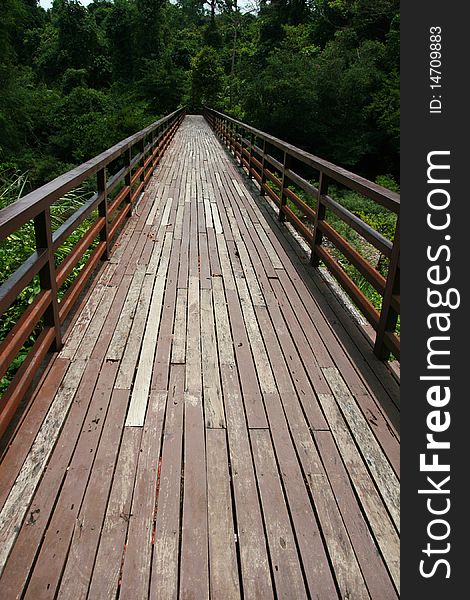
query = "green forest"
{"x": 321, "y": 74}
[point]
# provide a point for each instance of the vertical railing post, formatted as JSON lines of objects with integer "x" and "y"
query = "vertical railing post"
{"x": 47, "y": 275}
{"x": 283, "y": 197}
{"x": 250, "y": 156}
{"x": 153, "y": 150}
{"x": 141, "y": 146}
{"x": 103, "y": 211}
{"x": 263, "y": 171}
{"x": 319, "y": 216}
{"x": 128, "y": 177}
{"x": 388, "y": 315}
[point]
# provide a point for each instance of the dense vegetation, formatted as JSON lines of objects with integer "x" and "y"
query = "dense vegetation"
{"x": 322, "y": 74}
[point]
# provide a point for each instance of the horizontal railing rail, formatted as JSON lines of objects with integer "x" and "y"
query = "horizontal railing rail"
{"x": 109, "y": 205}
{"x": 254, "y": 150}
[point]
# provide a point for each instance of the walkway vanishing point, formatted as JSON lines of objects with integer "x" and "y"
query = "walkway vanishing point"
{"x": 215, "y": 425}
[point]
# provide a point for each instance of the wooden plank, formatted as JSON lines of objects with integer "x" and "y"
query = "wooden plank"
{"x": 252, "y": 281}
{"x": 224, "y": 336}
{"x": 289, "y": 374}
{"x": 137, "y": 559}
{"x": 194, "y": 569}
{"x": 282, "y": 544}
{"x": 49, "y": 565}
{"x": 165, "y": 563}
{"x": 19, "y": 447}
{"x": 93, "y": 332}
{"x": 19, "y": 498}
{"x": 107, "y": 570}
{"x": 112, "y": 319}
{"x": 81, "y": 325}
{"x": 215, "y": 269}
{"x": 178, "y": 349}
{"x": 224, "y": 581}
{"x": 377, "y": 515}
{"x": 204, "y": 263}
{"x": 141, "y": 387}
{"x": 216, "y": 218}
{"x": 254, "y": 562}
{"x": 374, "y": 457}
{"x": 375, "y": 573}
{"x": 161, "y": 367}
{"x": 213, "y": 403}
{"x": 123, "y": 326}
{"x": 23, "y": 554}
{"x": 270, "y": 251}
{"x": 166, "y": 213}
{"x": 285, "y": 416}
{"x": 81, "y": 556}
{"x": 263, "y": 367}
{"x": 128, "y": 353}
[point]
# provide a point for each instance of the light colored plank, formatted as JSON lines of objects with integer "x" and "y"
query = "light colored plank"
{"x": 81, "y": 325}
{"x": 166, "y": 213}
{"x": 22, "y": 491}
{"x": 208, "y": 213}
{"x": 263, "y": 366}
{"x": 105, "y": 577}
{"x": 141, "y": 388}
{"x": 229, "y": 281}
{"x": 271, "y": 252}
{"x": 377, "y": 515}
{"x": 252, "y": 281}
{"x": 224, "y": 335}
{"x": 178, "y": 349}
{"x": 118, "y": 341}
{"x": 377, "y": 462}
{"x": 213, "y": 403}
{"x": 216, "y": 218}
{"x": 125, "y": 374}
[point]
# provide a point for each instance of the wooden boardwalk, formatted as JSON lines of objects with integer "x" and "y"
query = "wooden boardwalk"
{"x": 210, "y": 428}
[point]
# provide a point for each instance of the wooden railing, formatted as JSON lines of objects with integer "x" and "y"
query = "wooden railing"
{"x": 278, "y": 178}
{"x": 132, "y": 160}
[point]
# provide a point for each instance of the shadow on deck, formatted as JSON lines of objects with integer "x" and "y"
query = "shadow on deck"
{"x": 215, "y": 424}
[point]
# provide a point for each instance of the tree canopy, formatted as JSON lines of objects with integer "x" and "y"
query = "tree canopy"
{"x": 322, "y": 74}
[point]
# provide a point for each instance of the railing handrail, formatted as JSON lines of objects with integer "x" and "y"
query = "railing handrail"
{"x": 277, "y": 178}
{"x": 103, "y": 214}
{"x": 13, "y": 216}
{"x": 374, "y": 191}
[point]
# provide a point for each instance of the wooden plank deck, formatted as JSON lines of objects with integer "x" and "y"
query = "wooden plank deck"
{"x": 211, "y": 427}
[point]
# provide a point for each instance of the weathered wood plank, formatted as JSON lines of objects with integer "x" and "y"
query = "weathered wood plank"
{"x": 224, "y": 581}
{"x": 286, "y": 564}
{"x": 107, "y": 570}
{"x": 49, "y": 565}
{"x": 213, "y": 403}
{"x": 165, "y": 564}
{"x": 141, "y": 388}
{"x": 178, "y": 350}
{"x": 254, "y": 560}
{"x": 81, "y": 555}
{"x": 136, "y": 567}
{"x": 379, "y": 520}
{"x": 375, "y": 574}
{"x": 383, "y": 474}
{"x": 21, "y": 493}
